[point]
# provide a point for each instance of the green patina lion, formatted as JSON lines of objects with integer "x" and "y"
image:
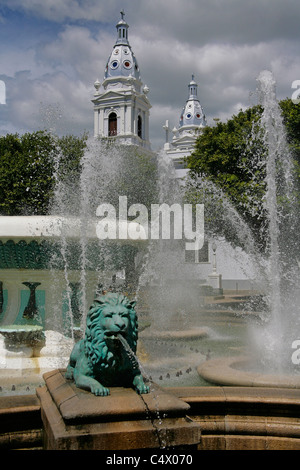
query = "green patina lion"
{"x": 99, "y": 360}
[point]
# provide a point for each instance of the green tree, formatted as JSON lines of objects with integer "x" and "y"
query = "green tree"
{"x": 225, "y": 174}
{"x": 138, "y": 177}
{"x": 26, "y": 169}
{"x": 71, "y": 148}
{"x": 291, "y": 119}
{"x": 28, "y": 166}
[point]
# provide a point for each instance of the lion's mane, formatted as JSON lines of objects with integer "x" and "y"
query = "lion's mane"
{"x": 94, "y": 343}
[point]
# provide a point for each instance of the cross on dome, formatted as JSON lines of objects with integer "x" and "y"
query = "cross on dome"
{"x": 122, "y": 28}
{"x": 193, "y": 88}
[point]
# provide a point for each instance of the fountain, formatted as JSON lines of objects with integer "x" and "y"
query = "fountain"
{"x": 186, "y": 340}
{"x": 270, "y": 345}
{"x": 56, "y": 264}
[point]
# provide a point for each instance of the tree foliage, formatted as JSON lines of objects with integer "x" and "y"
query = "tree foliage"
{"x": 27, "y": 168}
{"x": 228, "y": 170}
{"x": 291, "y": 120}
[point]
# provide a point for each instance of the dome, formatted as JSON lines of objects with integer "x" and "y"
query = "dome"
{"x": 192, "y": 113}
{"x": 122, "y": 61}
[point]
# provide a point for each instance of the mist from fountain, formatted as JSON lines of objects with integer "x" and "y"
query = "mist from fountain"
{"x": 172, "y": 293}
{"x": 274, "y": 341}
{"x": 107, "y": 171}
{"x": 274, "y": 262}
{"x": 275, "y": 259}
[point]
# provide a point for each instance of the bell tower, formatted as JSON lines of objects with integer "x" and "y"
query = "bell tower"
{"x": 191, "y": 123}
{"x": 121, "y": 105}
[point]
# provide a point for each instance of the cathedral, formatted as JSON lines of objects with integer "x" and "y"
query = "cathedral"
{"x": 122, "y": 107}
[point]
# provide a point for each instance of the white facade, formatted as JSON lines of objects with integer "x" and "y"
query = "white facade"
{"x": 121, "y": 106}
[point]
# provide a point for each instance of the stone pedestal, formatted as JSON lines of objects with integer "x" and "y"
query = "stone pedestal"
{"x": 74, "y": 419}
{"x": 215, "y": 281}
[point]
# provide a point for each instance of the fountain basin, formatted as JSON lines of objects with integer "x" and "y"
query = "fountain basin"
{"x": 238, "y": 371}
{"x": 27, "y": 335}
{"x": 21, "y": 364}
{"x": 195, "y": 333}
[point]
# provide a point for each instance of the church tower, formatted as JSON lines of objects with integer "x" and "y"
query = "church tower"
{"x": 191, "y": 123}
{"x": 121, "y": 106}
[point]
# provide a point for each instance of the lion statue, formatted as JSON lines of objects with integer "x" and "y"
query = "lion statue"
{"x": 100, "y": 359}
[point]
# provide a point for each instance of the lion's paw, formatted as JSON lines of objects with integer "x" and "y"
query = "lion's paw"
{"x": 69, "y": 373}
{"x": 140, "y": 385}
{"x": 99, "y": 390}
{"x": 143, "y": 389}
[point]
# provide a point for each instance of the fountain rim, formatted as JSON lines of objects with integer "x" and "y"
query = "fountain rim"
{"x": 19, "y": 328}
{"x": 226, "y": 371}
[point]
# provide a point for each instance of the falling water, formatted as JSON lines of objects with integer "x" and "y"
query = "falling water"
{"x": 132, "y": 357}
{"x": 108, "y": 170}
{"x": 276, "y": 261}
{"x": 59, "y": 207}
{"x": 77, "y": 198}
{"x": 172, "y": 289}
{"x": 224, "y": 224}
{"x": 138, "y": 366}
{"x": 279, "y": 204}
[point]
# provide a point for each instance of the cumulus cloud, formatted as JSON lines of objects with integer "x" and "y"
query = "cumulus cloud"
{"x": 76, "y": 51}
{"x": 51, "y": 102}
{"x": 225, "y": 44}
{"x": 61, "y": 10}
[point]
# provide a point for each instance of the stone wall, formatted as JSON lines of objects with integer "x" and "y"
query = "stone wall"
{"x": 230, "y": 418}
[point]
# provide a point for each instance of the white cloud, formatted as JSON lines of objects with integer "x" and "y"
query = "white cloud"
{"x": 76, "y": 51}
{"x": 51, "y": 102}
{"x": 224, "y": 43}
{"x": 61, "y": 10}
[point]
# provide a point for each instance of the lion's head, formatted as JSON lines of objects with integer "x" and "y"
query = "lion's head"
{"x": 110, "y": 315}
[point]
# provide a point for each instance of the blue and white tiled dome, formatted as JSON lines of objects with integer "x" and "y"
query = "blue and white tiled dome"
{"x": 192, "y": 113}
{"x": 122, "y": 61}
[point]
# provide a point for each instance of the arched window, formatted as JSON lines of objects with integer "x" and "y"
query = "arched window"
{"x": 140, "y": 127}
{"x": 112, "y": 124}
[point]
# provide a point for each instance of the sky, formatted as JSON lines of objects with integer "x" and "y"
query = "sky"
{"x": 52, "y": 52}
